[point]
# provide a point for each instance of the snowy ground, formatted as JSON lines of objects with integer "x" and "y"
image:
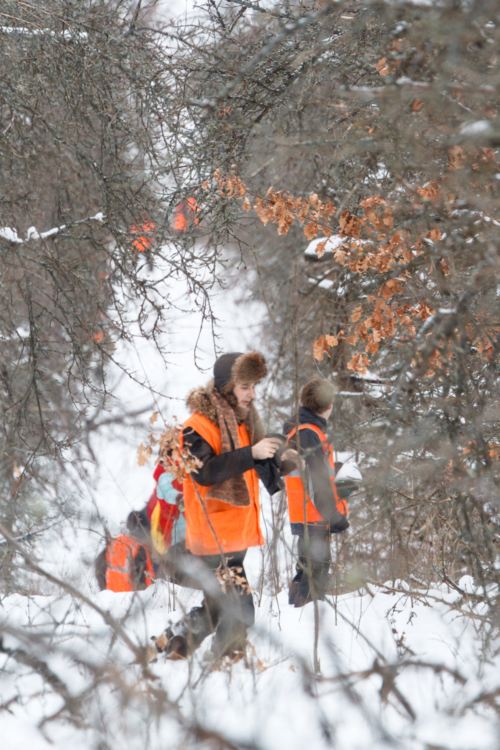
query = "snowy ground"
{"x": 273, "y": 701}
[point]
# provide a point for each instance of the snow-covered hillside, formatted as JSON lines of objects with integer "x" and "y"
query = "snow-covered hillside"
{"x": 396, "y": 671}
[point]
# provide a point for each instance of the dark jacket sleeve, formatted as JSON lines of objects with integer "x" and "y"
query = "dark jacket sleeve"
{"x": 215, "y": 468}
{"x": 323, "y": 498}
{"x": 269, "y": 473}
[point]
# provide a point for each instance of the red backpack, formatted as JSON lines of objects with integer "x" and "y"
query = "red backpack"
{"x": 162, "y": 515}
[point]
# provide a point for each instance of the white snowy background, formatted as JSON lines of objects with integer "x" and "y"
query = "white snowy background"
{"x": 271, "y": 702}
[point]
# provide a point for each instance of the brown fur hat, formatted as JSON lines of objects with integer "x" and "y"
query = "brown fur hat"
{"x": 317, "y": 395}
{"x": 233, "y": 368}
{"x": 249, "y": 368}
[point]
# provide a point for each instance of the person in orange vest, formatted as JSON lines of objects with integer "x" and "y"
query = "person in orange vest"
{"x": 226, "y": 435}
{"x": 317, "y": 510}
{"x": 125, "y": 564}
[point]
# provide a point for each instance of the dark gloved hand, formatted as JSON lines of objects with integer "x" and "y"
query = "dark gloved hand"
{"x": 341, "y": 525}
{"x": 346, "y": 487}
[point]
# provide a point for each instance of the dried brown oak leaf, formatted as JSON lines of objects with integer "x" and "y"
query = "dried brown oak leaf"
{"x": 322, "y": 345}
{"x": 144, "y": 454}
{"x": 311, "y": 230}
{"x": 350, "y": 226}
{"x": 359, "y": 364}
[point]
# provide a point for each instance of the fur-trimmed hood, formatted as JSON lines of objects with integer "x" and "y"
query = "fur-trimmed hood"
{"x": 199, "y": 401}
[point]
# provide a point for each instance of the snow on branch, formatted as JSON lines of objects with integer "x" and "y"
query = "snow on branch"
{"x": 12, "y": 236}
{"x": 65, "y": 34}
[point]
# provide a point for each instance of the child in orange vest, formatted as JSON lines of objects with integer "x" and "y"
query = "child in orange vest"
{"x": 316, "y": 509}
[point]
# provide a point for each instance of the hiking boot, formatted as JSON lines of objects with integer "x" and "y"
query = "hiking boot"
{"x": 183, "y": 637}
{"x": 177, "y": 648}
{"x": 293, "y": 588}
{"x": 304, "y": 595}
{"x": 173, "y": 646}
{"x": 301, "y": 600}
{"x": 161, "y": 642}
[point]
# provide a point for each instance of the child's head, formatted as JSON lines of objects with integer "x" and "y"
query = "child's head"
{"x": 317, "y": 395}
{"x": 236, "y": 375}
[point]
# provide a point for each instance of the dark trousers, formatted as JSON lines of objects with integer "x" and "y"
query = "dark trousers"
{"x": 177, "y": 565}
{"x": 313, "y": 568}
{"x": 227, "y": 608}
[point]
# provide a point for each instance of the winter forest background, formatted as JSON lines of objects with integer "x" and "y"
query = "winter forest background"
{"x": 317, "y": 180}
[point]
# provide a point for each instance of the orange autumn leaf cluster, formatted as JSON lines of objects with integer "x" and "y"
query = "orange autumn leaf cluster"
{"x": 349, "y": 225}
{"x": 370, "y": 243}
{"x": 483, "y": 336}
{"x": 435, "y": 364}
{"x": 282, "y": 209}
{"x": 460, "y": 156}
{"x": 359, "y": 364}
{"x": 484, "y": 344}
{"x": 144, "y": 236}
{"x": 430, "y": 192}
{"x": 383, "y": 250}
{"x": 279, "y": 207}
{"x": 144, "y": 453}
{"x": 385, "y": 66}
{"x": 184, "y": 213}
{"x": 99, "y": 336}
{"x": 230, "y": 185}
{"x": 379, "y": 325}
{"x": 176, "y": 459}
{"x": 492, "y": 449}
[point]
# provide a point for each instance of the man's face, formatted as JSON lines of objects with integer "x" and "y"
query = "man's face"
{"x": 244, "y": 393}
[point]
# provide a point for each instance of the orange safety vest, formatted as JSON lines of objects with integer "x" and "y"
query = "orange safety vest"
{"x": 298, "y": 498}
{"x": 119, "y": 557}
{"x": 236, "y": 528}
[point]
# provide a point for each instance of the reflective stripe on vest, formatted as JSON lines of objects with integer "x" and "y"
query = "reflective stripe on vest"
{"x": 119, "y": 559}
{"x": 301, "y": 509}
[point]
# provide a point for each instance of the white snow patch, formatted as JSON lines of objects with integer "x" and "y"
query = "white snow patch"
{"x": 331, "y": 244}
{"x": 10, "y": 234}
{"x": 323, "y": 284}
{"x": 25, "y": 31}
{"x": 476, "y": 128}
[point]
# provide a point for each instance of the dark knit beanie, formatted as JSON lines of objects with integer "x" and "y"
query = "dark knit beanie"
{"x": 235, "y": 367}
{"x": 223, "y": 369}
